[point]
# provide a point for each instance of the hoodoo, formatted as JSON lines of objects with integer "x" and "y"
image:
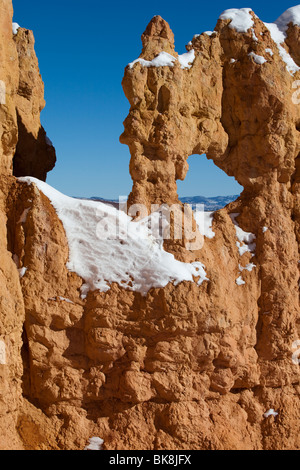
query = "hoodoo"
{"x": 107, "y": 331}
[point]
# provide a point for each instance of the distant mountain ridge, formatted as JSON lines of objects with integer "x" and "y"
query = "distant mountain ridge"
{"x": 210, "y": 203}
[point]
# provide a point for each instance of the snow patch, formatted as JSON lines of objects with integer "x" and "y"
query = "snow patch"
{"x": 95, "y": 443}
{"x": 245, "y": 241}
{"x": 106, "y": 246}
{"x": 258, "y": 59}
{"x": 164, "y": 59}
{"x": 291, "y": 15}
{"x": 254, "y": 37}
{"x": 269, "y": 51}
{"x": 269, "y": 413}
{"x": 2, "y": 92}
{"x": 241, "y": 19}
{"x": 264, "y": 229}
{"x": 240, "y": 281}
{"x": 249, "y": 267}
{"x": 2, "y": 353}
{"x": 186, "y": 60}
{"x": 22, "y": 272}
{"x": 15, "y": 28}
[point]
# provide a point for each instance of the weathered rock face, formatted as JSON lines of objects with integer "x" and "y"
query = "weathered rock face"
{"x": 35, "y": 154}
{"x": 234, "y": 103}
{"x": 18, "y": 111}
{"x": 225, "y": 105}
{"x": 186, "y": 366}
{"x": 25, "y": 149}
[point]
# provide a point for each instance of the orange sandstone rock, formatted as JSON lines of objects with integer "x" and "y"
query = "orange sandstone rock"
{"x": 186, "y": 366}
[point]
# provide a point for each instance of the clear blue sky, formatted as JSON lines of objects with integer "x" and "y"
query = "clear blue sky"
{"x": 83, "y": 47}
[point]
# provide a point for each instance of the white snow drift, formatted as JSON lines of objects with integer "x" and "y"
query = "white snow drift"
{"x": 165, "y": 59}
{"x": 106, "y": 246}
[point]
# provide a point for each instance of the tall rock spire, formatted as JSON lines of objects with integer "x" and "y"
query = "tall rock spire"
{"x": 157, "y": 37}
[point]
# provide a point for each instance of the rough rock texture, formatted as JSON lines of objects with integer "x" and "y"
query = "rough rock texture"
{"x": 184, "y": 367}
{"x": 18, "y": 71}
{"x": 35, "y": 154}
{"x": 241, "y": 115}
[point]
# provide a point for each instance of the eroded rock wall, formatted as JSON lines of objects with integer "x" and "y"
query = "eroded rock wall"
{"x": 35, "y": 154}
{"x": 234, "y": 103}
{"x": 18, "y": 70}
{"x": 186, "y": 366}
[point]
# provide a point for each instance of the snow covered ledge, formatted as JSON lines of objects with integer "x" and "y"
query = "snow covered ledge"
{"x": 164, "y": 59}
{"x": 106, "y": 246}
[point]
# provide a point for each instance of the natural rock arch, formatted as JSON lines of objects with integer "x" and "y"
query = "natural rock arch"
{"x": 222, "y": 104}
{"x": 236, "y": 106}
{"x": 186, "y": 366}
